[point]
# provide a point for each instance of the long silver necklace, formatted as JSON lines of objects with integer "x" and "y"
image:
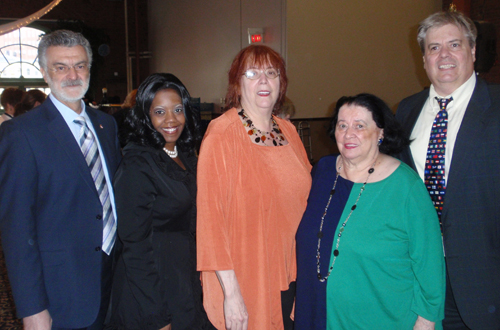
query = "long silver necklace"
{"x": 341, "y": 230}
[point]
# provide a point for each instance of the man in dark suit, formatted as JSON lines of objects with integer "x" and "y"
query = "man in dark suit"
{"x": 57, "y": 217}
{"x": 470, "y": 212}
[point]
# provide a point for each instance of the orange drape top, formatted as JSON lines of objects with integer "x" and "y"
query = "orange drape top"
{"x": 250, "y": 201}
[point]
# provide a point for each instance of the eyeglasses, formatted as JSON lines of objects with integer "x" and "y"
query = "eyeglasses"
{"x": 253, "y": 74}
{"x": 64, "y": 69}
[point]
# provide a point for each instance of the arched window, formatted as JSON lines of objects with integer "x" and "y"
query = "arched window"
{"x": 19, "y": 60}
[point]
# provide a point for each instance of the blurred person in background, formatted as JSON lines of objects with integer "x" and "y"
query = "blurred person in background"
{"x": 9, "y": 99}
{"x": 121, "y": 114}
{"x": 30, "y": 100}
{"x": 287, "y": 110}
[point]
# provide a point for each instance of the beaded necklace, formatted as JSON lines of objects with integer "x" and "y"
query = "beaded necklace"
{"x": 260, "y": 137}
{"x": 341, "y": 230}
{"x": 172, "y": 154}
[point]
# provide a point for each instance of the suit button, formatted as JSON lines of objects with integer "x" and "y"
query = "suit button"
{"x": 98, "y": 217}
{"x": 31, "y": 242}
{"x": 98, "y": 248}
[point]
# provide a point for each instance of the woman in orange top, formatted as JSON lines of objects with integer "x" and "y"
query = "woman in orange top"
{"x": 253, "y": 183}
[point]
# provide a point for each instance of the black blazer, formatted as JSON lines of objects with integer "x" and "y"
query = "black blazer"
{"x": 471, "y": 210}
{"x": 51, "y": 216}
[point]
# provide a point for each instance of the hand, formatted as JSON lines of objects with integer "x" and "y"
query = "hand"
{"x": 167, "y": 327}
{"x": 423, "y": 324}
{"x": 39, "y": 321}
{"x": 235, "y": 311}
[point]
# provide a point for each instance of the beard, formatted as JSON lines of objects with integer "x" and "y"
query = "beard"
{"x": 62, "y": 95}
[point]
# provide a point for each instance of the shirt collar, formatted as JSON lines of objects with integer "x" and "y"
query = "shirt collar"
{"x": 460, "y": 95}
{"x": 68, "y": 114}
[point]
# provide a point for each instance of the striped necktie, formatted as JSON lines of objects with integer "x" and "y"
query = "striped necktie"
{"x": 435, "y": 161}
{"x": 88, "y": 144}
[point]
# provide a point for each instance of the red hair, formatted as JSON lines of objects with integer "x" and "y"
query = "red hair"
{"x": 258, "y": 56}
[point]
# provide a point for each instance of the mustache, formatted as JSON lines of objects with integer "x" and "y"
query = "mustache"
{"x": 76, "y": 82}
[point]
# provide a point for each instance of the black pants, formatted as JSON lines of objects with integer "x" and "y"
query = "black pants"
{"x": 287, "y": 299}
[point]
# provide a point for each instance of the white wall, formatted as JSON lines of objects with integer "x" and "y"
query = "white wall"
{"x": 332, "y": 47}
{"x": 342, "y": 47}
{"x": 197, "y": 40}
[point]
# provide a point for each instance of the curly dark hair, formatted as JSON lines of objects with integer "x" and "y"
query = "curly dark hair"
{"x": 138, "y": 127}
{"x": 394, "y": 138}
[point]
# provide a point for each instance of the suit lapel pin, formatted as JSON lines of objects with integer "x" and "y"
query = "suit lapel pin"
{"x": 101, "y": 127}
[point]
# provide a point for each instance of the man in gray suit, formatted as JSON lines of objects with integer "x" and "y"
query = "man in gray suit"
{"x": 461, "y": 167}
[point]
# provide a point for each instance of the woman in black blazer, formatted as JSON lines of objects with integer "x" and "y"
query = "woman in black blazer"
{"x": 156, "y": 285}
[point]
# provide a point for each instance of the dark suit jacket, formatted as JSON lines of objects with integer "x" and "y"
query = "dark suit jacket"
{"x": 51, "y": 216}
{"x": 471, "y": 210}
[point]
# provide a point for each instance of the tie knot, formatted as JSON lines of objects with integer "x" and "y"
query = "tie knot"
{"x": 443, "y": 103}
{"x": 80, "y": 120}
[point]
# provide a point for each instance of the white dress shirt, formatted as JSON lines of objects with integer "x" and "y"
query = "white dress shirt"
{"x": 422, "y": 130}
{"x": 69, "y": 115}
{"x": 5, "y": 117}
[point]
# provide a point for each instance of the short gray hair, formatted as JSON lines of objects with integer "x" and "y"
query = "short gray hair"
{"x": 444, "y": 18}
{"x": 64, "y": 38}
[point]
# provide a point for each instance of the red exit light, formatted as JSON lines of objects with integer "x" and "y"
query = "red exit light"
{"x": 255, "y": 35}
{"x": 256, "y": 38}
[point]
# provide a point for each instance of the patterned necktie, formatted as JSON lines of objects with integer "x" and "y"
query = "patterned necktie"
{"x": 435, "y": 162}
{"x": 88, "y": 144}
